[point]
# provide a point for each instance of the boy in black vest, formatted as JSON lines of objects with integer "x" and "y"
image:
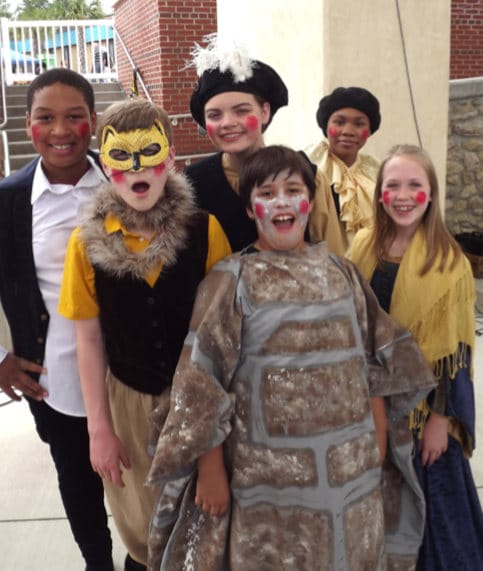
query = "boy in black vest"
{"x": 130, "y": 278}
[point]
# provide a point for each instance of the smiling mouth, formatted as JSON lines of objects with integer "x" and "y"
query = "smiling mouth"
{"x": 64, "y": 147}
{"x": 283, "y": 222}
{"x": 140, "y": 187}
{"x": 231, "y": 135}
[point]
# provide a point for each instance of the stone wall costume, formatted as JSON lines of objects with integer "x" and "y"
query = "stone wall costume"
{"x": 284, "y": 352}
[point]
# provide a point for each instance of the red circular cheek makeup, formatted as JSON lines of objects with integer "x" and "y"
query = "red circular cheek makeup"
{"x": 304, "y": 207}
{"x": 364, "y": 134}
{"x": 259, "y": 211}
{"x": 159, "y": 169}
{"x": 35, "y": 131}
{"x": 84, "y": 129}
{"x": 386, "y": 197}
{"x": 117, "y": 176}
{"x": 252, "y": 123}
{"x": 210, "y": 130}
{"x": 421, "y": 197}
{"x": 333, "y": 131}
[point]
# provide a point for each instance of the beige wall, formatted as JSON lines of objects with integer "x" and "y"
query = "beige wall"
{"x": 317, "y": 45}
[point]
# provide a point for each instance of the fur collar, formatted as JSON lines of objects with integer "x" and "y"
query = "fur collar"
{"x": 170, "y": 218}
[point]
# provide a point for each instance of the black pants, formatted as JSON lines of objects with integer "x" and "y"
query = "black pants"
{"x": 80, "y": 487}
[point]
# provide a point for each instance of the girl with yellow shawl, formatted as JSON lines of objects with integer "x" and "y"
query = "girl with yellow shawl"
{"x": 424, "y": 281}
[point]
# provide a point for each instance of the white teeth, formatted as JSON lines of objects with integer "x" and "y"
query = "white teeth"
{"x": 61, "y": 147}
{"x": 283, "y": 218}
{"x": 404, "y": 208}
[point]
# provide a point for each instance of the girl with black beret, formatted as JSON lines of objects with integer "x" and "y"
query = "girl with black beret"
{"x": 348, "y": 117}
{"x": 235, "y": 100}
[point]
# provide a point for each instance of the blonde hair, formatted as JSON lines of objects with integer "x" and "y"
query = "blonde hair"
{"x": 131, "y": 114}
{"x": 438, "y": 238}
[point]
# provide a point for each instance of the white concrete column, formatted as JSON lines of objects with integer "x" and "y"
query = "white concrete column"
{"x": 317, "y": 45}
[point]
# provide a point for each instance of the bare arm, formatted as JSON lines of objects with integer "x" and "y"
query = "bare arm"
{"x": 107, "y": 452}
{"x": 435, "y": 438}
{"x": 212, "y": 489}
{"x": 380, "y": 420}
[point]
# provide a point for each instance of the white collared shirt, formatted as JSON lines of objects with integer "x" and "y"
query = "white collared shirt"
{"x": 55, "y": 213}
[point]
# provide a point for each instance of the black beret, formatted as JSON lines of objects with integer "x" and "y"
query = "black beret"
{"x": 264, "y": 82}
{"x": 355, "y": 97}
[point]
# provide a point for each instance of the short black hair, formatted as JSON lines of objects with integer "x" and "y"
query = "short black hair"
{"x": 66, "y": 77}
{"x": 269, "y": 162}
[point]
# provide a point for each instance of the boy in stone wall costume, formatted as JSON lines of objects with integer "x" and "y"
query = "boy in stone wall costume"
{"x": 288, "y": 350}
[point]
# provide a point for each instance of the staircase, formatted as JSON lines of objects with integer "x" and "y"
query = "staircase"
{"x": 20, "y": 148}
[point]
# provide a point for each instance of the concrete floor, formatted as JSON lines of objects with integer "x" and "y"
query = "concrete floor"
{"x": 34, "y": 534}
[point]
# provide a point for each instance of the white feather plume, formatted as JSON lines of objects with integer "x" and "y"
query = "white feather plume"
{"x": 222, "y": 55}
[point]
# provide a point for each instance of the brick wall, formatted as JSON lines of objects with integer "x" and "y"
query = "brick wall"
{"x": 466, "y": 58}
{"x": 159, "y": 36}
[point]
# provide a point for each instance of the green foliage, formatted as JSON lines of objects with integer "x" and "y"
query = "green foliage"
{"x": 4, "y": 10}
{"x": 60, "y": 10}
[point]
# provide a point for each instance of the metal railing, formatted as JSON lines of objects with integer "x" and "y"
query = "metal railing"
{"x": 86, "y": 46}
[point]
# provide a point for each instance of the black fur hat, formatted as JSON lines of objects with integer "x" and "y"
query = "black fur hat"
{"x": 222, "y": 70}
{"x": 355, "y": 97}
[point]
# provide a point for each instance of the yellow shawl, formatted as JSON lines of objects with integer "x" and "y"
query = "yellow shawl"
{"x": 437, "y": 308}
{"x": 354, "y": 185}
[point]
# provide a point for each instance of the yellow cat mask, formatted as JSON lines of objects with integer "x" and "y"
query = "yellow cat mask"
{"x": 134, "y": 150}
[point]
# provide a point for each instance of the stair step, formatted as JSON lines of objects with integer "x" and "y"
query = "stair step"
{"x": 19, "y": 109}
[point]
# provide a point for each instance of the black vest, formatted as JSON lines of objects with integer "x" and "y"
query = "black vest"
{"x": 214, "y": 193}
{"x": 145, "y": 327}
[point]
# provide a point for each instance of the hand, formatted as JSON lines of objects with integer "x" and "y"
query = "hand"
{"x": 212, "y": 489}
{"x": 14, "y": 376}
{"x": 108, "y": 456}
{"x": 435, "y": 439}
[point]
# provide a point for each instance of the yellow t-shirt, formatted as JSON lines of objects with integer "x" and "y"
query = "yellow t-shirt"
{"x": 78, "y": 299}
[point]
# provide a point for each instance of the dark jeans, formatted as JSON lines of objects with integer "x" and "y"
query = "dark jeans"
{"x": 80, "y": 487}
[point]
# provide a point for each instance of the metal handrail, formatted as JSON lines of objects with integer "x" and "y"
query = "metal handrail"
{"x": 187, "y": 158}
{"x": 4, "y": 100}
{"x": 3, "y": 124}
{"x": 6, "y": 154}
{"x": 133, "y": 65}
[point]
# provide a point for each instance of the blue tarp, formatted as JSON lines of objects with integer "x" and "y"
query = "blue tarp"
{"x": 20, "y": 58}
